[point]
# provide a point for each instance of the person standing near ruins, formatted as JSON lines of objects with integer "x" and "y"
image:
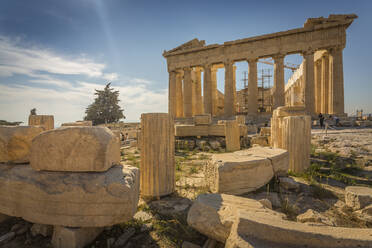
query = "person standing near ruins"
{"x": 321, "y": 120}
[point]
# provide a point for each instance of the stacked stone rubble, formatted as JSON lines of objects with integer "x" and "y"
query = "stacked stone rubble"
{"x": 75, "y": 180}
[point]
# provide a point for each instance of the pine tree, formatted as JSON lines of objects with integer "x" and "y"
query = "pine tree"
{"x": 105, "y": 108}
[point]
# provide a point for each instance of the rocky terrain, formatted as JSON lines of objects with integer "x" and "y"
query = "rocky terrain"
{"x": 339, "y": 159}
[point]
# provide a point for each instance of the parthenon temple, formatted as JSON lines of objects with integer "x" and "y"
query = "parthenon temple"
{"x": 318, "y": 83}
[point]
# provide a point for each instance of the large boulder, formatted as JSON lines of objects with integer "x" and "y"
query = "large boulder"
{"x": 263, "y": 229}
{"x": 79, "y": 199}
{"x": 358, "y": 197}
{"x": 244, "y": 171}
{"x": 214, "y": 214}
{"x": 15, "y": 143}
{"x": 75, "y": 149}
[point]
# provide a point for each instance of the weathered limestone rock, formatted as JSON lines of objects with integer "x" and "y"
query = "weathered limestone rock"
{"x": 263, "y": 229}
{"x": 232, "y": 136}
{"x": 279, "y": 158}
{"x": 46, "y": 121}
{"x": 44, "y": 230}
{"x": 204, "y": 119}
{"x": 358, "y": 197}
{"x": 77, "y": 124}
{"x": 313, "y": 216}
{"x": 260, "y": 140}
{"x": 15, "y": 143}
{"x": 265, "y": 131}
{"x": 266, "y": 203}
{"x": 244, "y": 171}
{"x": 75, "y": 149}
{"x": 157, "y": 155}
{"x": 214, "y": 214}
{"x": 74, "y": 237}
{"x": 291, "y": 130}
{"x": 289, "y": 183}
{"x": 77, "y": 199}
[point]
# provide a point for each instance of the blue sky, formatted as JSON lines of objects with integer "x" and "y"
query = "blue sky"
{"x": 53, "y": 53}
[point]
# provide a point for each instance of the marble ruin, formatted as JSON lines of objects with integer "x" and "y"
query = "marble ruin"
{"x": 320, "y": 41}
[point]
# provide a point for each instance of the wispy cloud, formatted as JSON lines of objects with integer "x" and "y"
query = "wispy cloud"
{"x": 47, "y": 89}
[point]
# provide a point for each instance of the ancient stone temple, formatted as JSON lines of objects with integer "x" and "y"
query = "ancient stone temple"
{"x": 320, "y": 41}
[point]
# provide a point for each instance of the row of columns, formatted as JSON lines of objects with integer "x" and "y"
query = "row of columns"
{"x": 322, "y": 87}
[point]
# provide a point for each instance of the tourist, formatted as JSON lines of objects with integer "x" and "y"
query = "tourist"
{"x": 321, "y": 120}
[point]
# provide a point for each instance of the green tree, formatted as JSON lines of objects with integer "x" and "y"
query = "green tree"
{"x": 105, "y": 108}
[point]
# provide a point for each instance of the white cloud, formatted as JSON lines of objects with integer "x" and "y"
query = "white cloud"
{"x": 110, "y": 76}
{"x": 66, "y": 100}
{"x": 29, "y": 60}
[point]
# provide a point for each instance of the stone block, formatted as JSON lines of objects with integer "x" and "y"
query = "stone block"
{"x": 264, "y": 229}
{"x": 75, "y": 149}
{"x": 204, "y": 119}
{"x": 74, "y": 237}
{"x": 15, "y": 143}
{"x": 214, "y": 214}
{"x": 77, "y": 124}
{"x": 45, "y": 121}
{"x": 265, "y": 131}
{"x": 78, "y": 199}
{"x": 260, "y": 140}
{"x": 358, "y": 197}
{"x": 157, "y": 155}
{"x": 240, "y": 119}
{"x": 232, "y": 136}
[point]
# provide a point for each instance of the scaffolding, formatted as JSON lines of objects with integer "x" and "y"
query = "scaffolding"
{"x": 264, "y": 91}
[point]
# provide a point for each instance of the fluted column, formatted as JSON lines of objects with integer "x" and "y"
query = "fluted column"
{"x": 252, "y": 87}
{"x": 172, "y": 94}
{"x": 278, "y": 89}
{"x": 207, "y": 97}
{"x": 336, "y": 81}
{"x": 325, "y": 83}
{"x": 230, "y": 89}
{"x": 317, "y": 77}
{"x": 214, "y": 93}
{"x": 179, "y": 95}
{"x": 187, "y": 92}
{"x": 199, "y": 108}
{"x": 309, "y": 86}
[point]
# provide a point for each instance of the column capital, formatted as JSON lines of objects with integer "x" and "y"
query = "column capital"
{"x": 187, "y": 68}
{"x": 252, "y": 60}
{"x": 228, "y": 62}
{"x": 308, "y": 52}
{"x": 207, "y": 66}
{"x": 278, "y": 58}
{"x": 335, "y": 49}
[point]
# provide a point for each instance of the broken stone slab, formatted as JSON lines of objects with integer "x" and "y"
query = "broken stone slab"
{"x": 279, "y": 157}
{"x": 315, "y": 217}
{"x": 358, "y": 197}
{"x": 77, "y": 149}
{"x": 262, "y": 229}
{"x": 77, "y": 199}
{"x": 203, "y": 119}
{"x": 244, "y": 171}
{"x": 15, "y": 143}
{"x": 214, "y": 214}
{"x": 74, "y": 237}
{"x": 289, "y": 183}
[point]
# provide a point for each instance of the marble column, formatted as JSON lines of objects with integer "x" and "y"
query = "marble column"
{"x": 252, "y": 107}
{"x": 179, "y": 96}
{"x": 336, "y": 81}
{"x": 308, "y": 82}
{"x": 214, "y": 93}
{"x": 207, "y": 97}
{"x": 317, "y": 78}
{"x": 172, "y": 94}
{"x": 325, "y": 83}
{"x": 230, "y": 89}
{"x": 199, "y": 108}
{"x": 278, "y": 89}
{"x": 187, "y": 92}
